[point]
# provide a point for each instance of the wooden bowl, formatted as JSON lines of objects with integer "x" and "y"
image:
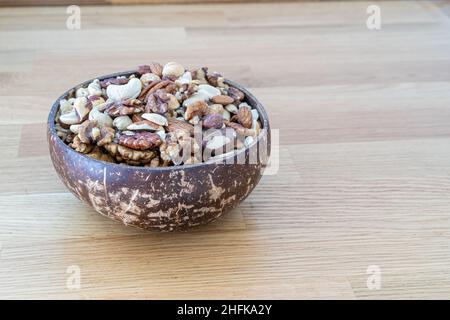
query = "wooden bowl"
{"x": 163, "y": 198}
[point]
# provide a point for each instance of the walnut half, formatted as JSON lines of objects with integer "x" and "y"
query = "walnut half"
{"x": 89, "y": 133}
{"x": 140, "y": 140}
{"x": 130, "y": 156}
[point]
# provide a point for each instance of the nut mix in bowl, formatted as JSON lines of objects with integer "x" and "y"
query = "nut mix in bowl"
{"x": 161, "y": 147}
{"x": 149, "y": 118}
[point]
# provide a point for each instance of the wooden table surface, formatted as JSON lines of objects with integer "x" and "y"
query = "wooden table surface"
{"x": 364, "y": 177}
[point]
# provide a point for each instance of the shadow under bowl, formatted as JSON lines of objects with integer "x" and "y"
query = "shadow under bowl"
{"x": 162, "y": 198}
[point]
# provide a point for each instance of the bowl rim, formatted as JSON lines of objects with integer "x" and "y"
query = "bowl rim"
{"x": 222, "y": 160}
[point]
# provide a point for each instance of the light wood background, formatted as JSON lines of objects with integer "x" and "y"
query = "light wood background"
{"x": 364, "y": 177}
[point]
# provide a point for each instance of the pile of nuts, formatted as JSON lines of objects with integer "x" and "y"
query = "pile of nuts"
{"x": 159, "y": 116}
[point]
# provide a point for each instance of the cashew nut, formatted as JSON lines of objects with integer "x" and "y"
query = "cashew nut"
{"x": 131, "y": 90}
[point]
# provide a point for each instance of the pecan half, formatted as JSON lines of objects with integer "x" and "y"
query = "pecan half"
{"x": 140, "y": 140}
{"x": 245, "y": 117}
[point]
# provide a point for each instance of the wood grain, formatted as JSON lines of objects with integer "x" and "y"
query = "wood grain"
{"x": 117, "y": 2}
{"x": 363, "y": 119}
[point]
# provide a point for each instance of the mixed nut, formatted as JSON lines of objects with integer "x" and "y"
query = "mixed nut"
{"x": 158, "y": 116}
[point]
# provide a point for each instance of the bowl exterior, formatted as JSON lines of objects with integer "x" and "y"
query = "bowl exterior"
{"x": 165, "y": 200}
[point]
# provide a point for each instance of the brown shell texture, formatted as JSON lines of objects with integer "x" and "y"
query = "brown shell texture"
{"x": 163, "y": 198}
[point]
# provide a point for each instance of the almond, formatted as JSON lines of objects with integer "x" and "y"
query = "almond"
{"x": 222, "y": 99}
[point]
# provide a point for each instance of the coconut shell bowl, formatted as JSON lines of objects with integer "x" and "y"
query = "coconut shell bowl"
{"x": 162, "y": 198}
